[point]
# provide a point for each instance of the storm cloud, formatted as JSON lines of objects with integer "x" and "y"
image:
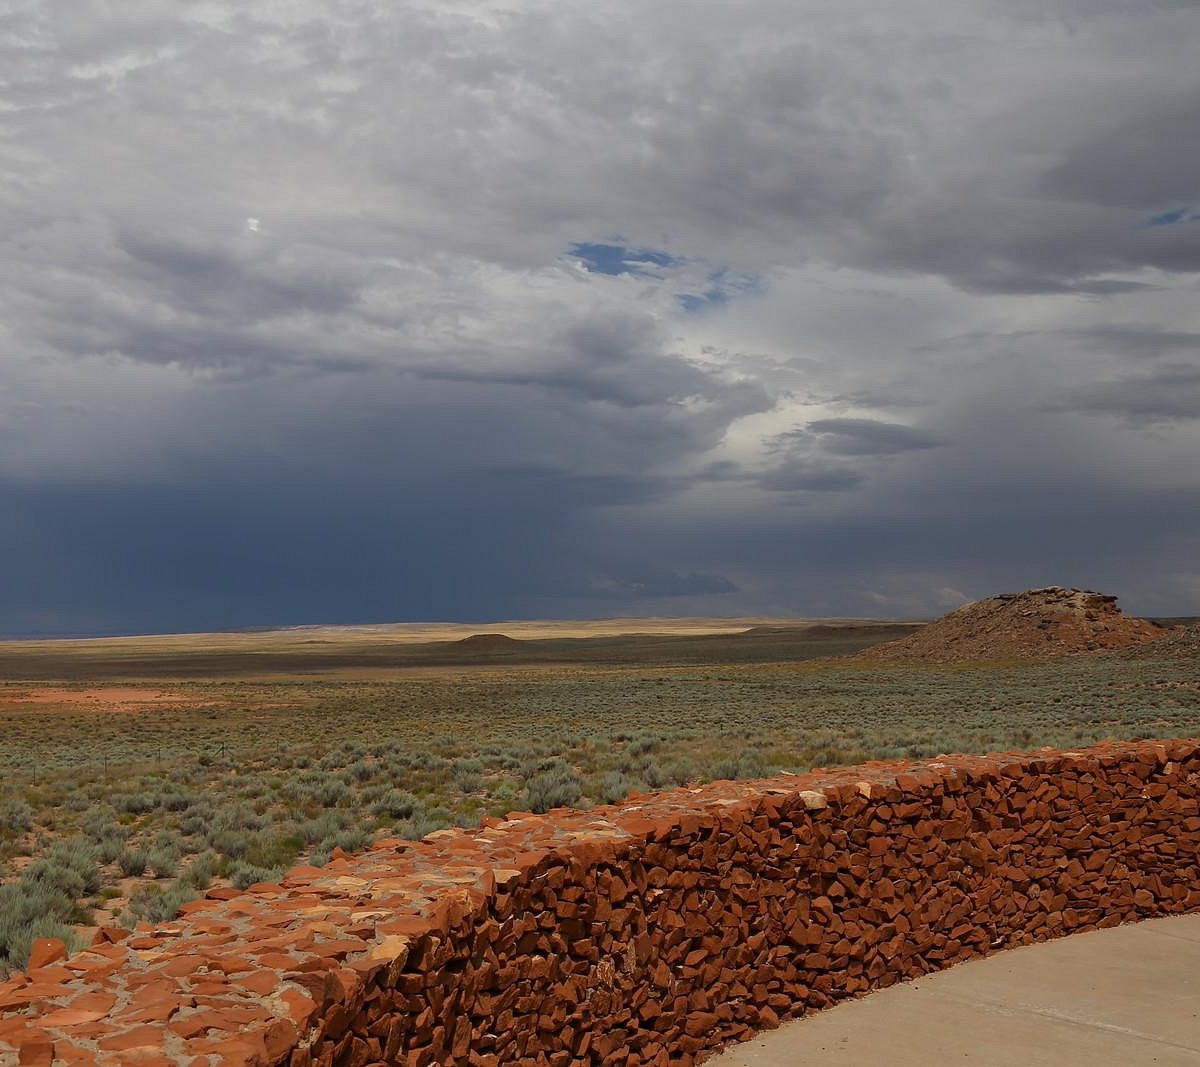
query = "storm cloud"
{"x": 364, "y": 311}
{"x": 869, "y": 437}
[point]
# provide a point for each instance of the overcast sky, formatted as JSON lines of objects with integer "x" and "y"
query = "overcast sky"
{"x": 460, "y": 309}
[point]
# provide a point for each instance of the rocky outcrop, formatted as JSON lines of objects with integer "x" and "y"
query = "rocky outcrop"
{"x": 1038, "y": 623}
{"x": 646, "y": 933}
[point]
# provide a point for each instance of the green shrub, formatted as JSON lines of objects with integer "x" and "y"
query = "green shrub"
{"x": 133, "y": 862}
{"x": 423, "y": 822}
{"x": 555, "y": 786}
{"x": 100, "y": 824}
{"x": 680, "y": 772}
{"x": 162, "y": 862}
{"x": 110, "y": 848}
{"x": 202, "y": 870}
{"x": 16, "y": 817}
{"x": 504, "y": 792}
{"x": 193, "y": 825}
{"x": 467, "y": 774}
{"x": 324, "y": 825}
{"x": 17, "y": 943}
{"x": 244, "y": 875}
{"x": 615, "y": 786}
{"x": 359, "y": 771}
{"x": 73, "y": 866}
{"x": 175, "y": 800}
{"x": 329, "y": 792}
{"x": 743, "y": 767}
{"x": 29, "y": 909}
{"x": 238, "y": 816}
{"x": 642, "y": 742}
{"x": 272, "y": 851}
{"x": 136, "y": 803}
{"x": 398, "y": 803}
{"x": 352, "y": 839}
{"x": 154, "y": 905}
{"x": 231, "y": 843}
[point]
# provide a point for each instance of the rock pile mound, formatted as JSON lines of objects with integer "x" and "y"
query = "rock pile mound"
{"x": 1039, "y": 622}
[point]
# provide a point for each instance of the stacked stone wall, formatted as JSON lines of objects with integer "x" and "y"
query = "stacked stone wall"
{"x": 650, "y": 932}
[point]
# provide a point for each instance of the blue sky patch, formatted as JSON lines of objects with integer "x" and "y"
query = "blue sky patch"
{"x": 691, "y": 302}
{"x": 617, "y": 259}
{"x": 723, "y": 286}
{"x": 697, "y": 285}
{"x": 1170, "y": 218}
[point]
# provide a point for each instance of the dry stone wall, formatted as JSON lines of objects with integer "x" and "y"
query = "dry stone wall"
{"x": 650, "y": 932}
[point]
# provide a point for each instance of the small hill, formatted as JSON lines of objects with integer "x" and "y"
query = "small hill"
{"x": 1040, "y": 622}
{"x": 865, "y": 630}
{"x": 490, "y": 643}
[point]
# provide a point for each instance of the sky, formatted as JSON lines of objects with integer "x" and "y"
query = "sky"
{"x": 360, "y": 311}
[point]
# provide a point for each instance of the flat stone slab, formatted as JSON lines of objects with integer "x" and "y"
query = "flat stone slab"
{"x": 1129, "y": 995}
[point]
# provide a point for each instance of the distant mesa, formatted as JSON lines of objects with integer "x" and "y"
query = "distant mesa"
{"x": 490, "y": 643}
{"x": 763, "y": 631}
{"x": 815, "y": 631}
{"x": 1053, "y": 621}
{"x": 856, "y": 629}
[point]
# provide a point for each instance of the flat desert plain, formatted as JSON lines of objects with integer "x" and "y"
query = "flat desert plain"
{"x": 136, "y": 772}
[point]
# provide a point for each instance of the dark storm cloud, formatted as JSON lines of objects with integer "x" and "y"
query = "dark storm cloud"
{"x": 1143, "y": 342}
{"x": 655, "y": 582}
{"x": 869, "y": 437}
{"x": 212, "y": 278}
{"x": 613, "y": 358}
{"x": 805, "y": 476}
{"x": 1007, "y": 539}
{"x": 122, "y": 560}
{"x": 568, "y": 489}
{"x": 422, "y": 309}
{"x": 1145, "y": 161}
{"x": 1169, "y": 392}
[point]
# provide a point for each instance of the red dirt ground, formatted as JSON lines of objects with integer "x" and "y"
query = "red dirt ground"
{"x": 106, "y": 698}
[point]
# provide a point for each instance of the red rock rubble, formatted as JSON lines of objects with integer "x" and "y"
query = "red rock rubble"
{"x": 646, "y": 933}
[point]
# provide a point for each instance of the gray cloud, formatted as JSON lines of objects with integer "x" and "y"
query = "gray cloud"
{"x": 1143, "y": 342}
{"x": 655, "y": 582}
{"x": 800, "y": 475}
{"x": 1169, "y": 392}
{"x": 869, "y": 437}
{"x": 359, "y": 277}
{"x": 1146, "y": 161}
{"x": 243, "y": 284}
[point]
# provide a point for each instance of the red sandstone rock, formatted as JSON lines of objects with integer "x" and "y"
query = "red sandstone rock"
{"x": 45, "y": 951}
{"x": 36, "y": 1052}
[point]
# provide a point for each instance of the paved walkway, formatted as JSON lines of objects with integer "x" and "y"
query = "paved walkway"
{"x": 1125, "y": 997}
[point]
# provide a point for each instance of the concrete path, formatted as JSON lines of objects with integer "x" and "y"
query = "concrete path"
{"x": 1125, "y": 997}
